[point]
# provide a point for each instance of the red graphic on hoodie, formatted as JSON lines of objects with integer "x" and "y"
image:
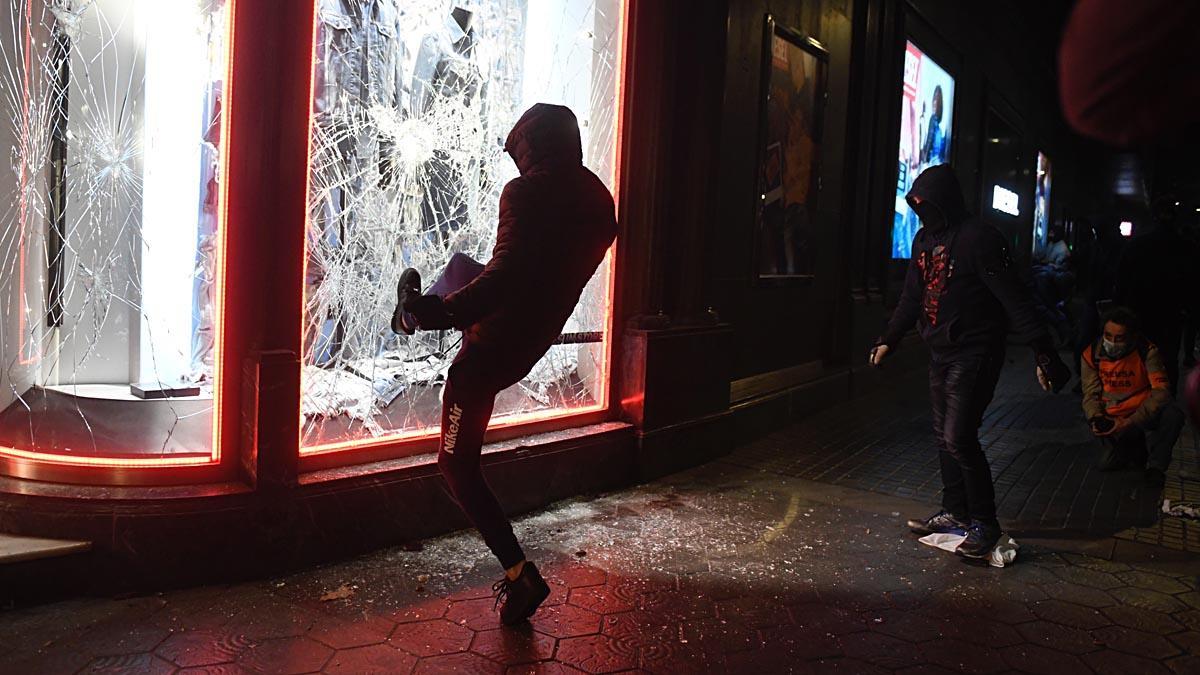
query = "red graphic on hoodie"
{"x": 935, "y": 271}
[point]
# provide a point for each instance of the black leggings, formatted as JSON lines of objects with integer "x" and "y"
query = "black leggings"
{"x": 467, "y": 401}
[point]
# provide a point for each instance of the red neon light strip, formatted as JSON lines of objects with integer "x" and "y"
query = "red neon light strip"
{"x": 219, "y": 291}
{"x": 517, "y": 419}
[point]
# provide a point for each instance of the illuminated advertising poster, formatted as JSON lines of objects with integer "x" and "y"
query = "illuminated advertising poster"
{"x": 1041, "y": 204}
{"x": 926, "y": 123}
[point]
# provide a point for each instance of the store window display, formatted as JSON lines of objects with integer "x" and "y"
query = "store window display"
{"x": 406, "y": 168}
{"x": 109, "y": 276}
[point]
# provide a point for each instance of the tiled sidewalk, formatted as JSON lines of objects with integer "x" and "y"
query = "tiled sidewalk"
{"x": 1043, "y": 459}
{"x": 739, "y": 566}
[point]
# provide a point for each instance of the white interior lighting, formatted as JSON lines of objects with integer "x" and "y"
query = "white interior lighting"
{"x": 1126, "y": 228}
{"x": 176, "y": 62}
{"x": 1005, "y": 201}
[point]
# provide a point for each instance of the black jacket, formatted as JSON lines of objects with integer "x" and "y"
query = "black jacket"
{"x": 961, "y": 289}
{"x": 557, "y": 222}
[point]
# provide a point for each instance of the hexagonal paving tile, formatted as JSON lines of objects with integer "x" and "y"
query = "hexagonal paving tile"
{"x": 513, "y": 646}
{"x": 824, "y": 619}
{"x": 674, "y": 656}
{"x": 219, "y": 669}
{"x": 431, "y": 638}
{"x": 1068, "y": 614}
{"x": 115, "y": 639}
{"x": 345, "y": 634}
{"x": 1147, "y": 599}
{"x": 982, "y": 631}
{"x": 143, "y": 664}
{"x": 1043, "y": 661}
{"x": 1190, "y": 619}
{"x": 467, "y": 663}
{"x": 1188, "y": 641}
{"x": 1110, "y": 662}
{"x": 754, "y": 612}
{"x": 547, "y": 668}
{"x": 1153, "y": 582}
{"x": 474, "y": 614}
{"x": 1083, "y": 576}
{"x": 276, "y": 621}
{"x": 717, "y": 636}
{"x": 202, "y": 648}
{"x": 882, "y": 650}
{"x": 962, "y": 656}
{"x": 596, "y": 654}
{"x": 576, "y": 576}
{"x": 430, "y": 608}
{"x": 907, "y": 626}
{"x": 563, "y": 621}
{"x": 285, "y": 656}
{"x": 378, "y": 658}
{"x": 1079, "y": 595}
{"x": 1185, "y": 664}
{"x": 599, "y": 599}
{"x": 1144, "y": 619}
{"x": 1136, "y": 642}
{"x": 1059, "y": 637}
{"x": 801, "y": 644}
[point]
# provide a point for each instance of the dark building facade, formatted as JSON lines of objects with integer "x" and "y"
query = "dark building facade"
{"x": 754, "y": 265}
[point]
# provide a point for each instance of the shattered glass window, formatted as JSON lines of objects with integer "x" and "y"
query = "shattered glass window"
{"x": 412, "y": 101}
{"x": 108, "y": 245}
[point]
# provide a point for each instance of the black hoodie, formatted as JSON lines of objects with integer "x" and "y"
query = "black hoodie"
{"x": 557, "y": 221}
{"x": 961, "y": 289}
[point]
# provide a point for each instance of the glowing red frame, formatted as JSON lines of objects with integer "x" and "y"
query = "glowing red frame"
{"x": 55, "y": 466}
{"x": 417, "y": 439}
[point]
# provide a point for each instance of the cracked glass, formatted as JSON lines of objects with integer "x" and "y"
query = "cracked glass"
{"x": 412, "y": 101}
{"x": 111, "y": 227}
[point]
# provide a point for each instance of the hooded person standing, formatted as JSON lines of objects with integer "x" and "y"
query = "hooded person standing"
{"x": 557, "y": 222}
{"x": 964, "y": 295}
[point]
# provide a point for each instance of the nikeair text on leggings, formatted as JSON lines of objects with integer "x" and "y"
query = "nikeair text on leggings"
{"x": 450, "y": 438}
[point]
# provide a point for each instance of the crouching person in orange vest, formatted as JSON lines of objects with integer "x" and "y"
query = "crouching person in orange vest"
{"x": 1127, "y": 399}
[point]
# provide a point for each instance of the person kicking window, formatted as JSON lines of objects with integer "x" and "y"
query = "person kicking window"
{"x": 557, "y": 222}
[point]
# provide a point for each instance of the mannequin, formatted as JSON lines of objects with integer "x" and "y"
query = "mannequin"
{"x": 446, "y": 75}
{"x": 360, "y": 57}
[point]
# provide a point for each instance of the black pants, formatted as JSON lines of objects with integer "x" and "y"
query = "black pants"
{"x": 960, "y": 387}
{"x": 1151, "y": 444}
{"x": 475, "y": 377}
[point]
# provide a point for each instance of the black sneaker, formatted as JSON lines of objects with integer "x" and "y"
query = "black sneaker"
{"x": 981, "y": 539}
{"x": 942, "y": 522}
{"x": 409, "y": 286}
{"x": 1155, "y": 478}
{"x": 519, "y": 599}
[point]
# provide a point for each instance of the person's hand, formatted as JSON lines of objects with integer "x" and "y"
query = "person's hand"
{"x": 878, "y": 352}
{"x": 430, "y": 312}
{"x": 1052, "y": 373}
{"x": 1102, "y": 425}
{"x": 1119, "y": 426}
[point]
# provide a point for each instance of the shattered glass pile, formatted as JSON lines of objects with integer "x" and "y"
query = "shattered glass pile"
{"x": 412, "y": 102}
{"x": 109, "y": 230}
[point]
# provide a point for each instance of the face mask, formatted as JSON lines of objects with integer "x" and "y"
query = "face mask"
{"x": 1113, "y": 350}
{"x": 931, "y": 216}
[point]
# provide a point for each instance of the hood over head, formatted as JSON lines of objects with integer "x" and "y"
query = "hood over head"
{"x": 941, "y": 197}
{"x": 546, "y": 136}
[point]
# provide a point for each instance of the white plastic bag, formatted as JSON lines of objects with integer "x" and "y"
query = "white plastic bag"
{"x": 1003, "y": 553}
